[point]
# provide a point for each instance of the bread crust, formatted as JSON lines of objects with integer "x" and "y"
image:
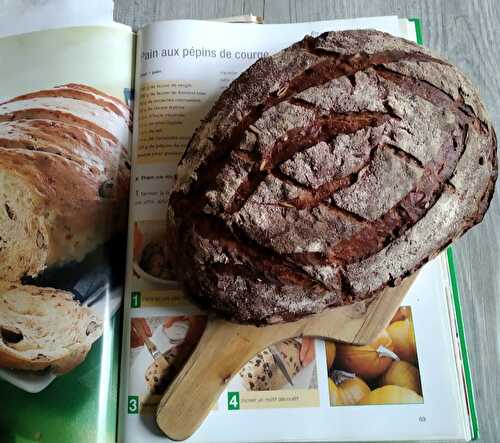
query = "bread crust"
{"x": 326, "y": 173}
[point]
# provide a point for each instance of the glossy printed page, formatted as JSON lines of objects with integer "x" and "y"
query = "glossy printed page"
{"x": 405, "y": 386}
{"x": 65, "y": 131}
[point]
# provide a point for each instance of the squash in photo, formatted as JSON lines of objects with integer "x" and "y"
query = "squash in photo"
{"x": 403, "y": 339}
{"x": 330, "y": 350}
{"x": 391, "y": 394}
{"x": 404, "y": 374}
{"x": 347, "y": 391}
{"x": 369, "y": 361}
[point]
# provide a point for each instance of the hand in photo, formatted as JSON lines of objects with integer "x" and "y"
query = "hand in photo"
{"x": 307, "y": 351}
{"x": 196, "y": 325}
{"x": 140, "y": 329}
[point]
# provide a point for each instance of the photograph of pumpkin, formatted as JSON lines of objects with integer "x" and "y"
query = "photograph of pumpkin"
{"x": 382, "y": 372}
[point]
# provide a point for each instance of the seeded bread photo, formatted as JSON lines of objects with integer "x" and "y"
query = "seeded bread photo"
{"x": 64, "y": 176}
{"x": 325, "y": 173}
{"x": 161, "y": 372}
{"x": 262, "y": 374}
{"x": 43, "y": 328}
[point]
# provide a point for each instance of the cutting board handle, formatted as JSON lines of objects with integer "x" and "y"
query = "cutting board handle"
{"x": 225, "y": 347}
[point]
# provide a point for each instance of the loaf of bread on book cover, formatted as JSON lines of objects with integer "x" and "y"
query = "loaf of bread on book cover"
{"x": 44, "y": 328}
{"x": 326, "y": 173}
{"x": 64, "y": 176}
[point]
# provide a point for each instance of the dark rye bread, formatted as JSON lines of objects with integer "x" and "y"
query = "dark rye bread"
{"x": 326, "y": 173}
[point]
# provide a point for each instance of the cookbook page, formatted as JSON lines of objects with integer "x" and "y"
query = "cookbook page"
{"x": 23, "y": 16}
{"x": 65, "y": 130}
{"x": 403, "y": 386}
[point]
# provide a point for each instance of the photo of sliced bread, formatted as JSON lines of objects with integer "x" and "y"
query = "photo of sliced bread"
{"x": 161, "y": 372}
{"x": 44, "y": 328}
{"x": 64, "y": 176}
{"x": 262, "y": 374}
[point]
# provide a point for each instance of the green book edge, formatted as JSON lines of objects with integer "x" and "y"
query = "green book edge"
{"x": 456, "y": 304}
{"x": 463, "y": 343}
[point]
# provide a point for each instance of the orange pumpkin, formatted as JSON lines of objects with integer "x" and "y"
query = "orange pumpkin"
{"x": 330, "y": 350}
{"x": 403, "y": 338}
{"x": 348, "y": 392}
{"x": 388, "y": 395}
{"x": 368, "y": 362}
{"x": 402, "y": 373}
{"x": 402, "y": 313}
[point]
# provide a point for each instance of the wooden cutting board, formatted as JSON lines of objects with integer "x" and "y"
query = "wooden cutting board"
{"x": 225, "y": 347}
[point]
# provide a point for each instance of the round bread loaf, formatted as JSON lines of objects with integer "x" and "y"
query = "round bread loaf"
{"x": 326, "y": 173}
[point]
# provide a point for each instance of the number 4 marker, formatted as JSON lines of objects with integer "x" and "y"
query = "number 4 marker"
{"x": 233, "y": 401}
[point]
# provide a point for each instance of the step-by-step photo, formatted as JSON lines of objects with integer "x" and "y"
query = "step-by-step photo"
{"x": 159, "y": 346}
{"x": 284, "y": 375}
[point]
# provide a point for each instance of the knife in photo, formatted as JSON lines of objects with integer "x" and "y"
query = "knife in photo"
{"x": 151, "y": 347}
{"x": 278, "y": 360}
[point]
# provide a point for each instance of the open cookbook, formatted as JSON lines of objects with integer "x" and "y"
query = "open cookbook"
{"x": 93, "y": 121}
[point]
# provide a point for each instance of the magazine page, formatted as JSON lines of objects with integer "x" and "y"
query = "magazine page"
{"x": 65, "y": 132}
{"x": 403, "y": 386}
{"x": 23, "y": 16}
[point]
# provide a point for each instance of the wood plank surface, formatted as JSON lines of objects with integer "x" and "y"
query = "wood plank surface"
{"x": 467, "y": 32}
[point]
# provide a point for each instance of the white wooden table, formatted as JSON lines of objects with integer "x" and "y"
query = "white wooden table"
{"x": 467, "y": 32}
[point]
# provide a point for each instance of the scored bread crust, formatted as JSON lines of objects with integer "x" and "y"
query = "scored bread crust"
{"x": 64, "y": 176}
{"x": 44, "y": 328}
{"x": 326, "y": 173}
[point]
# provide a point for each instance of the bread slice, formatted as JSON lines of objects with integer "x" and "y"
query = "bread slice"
{"x": 52, "y": 210}
{"x": 75, "y": 143}
{"x": 63, "y": 104}
{"x": 64, "y": 176}
{"x": 44, "y": 328}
